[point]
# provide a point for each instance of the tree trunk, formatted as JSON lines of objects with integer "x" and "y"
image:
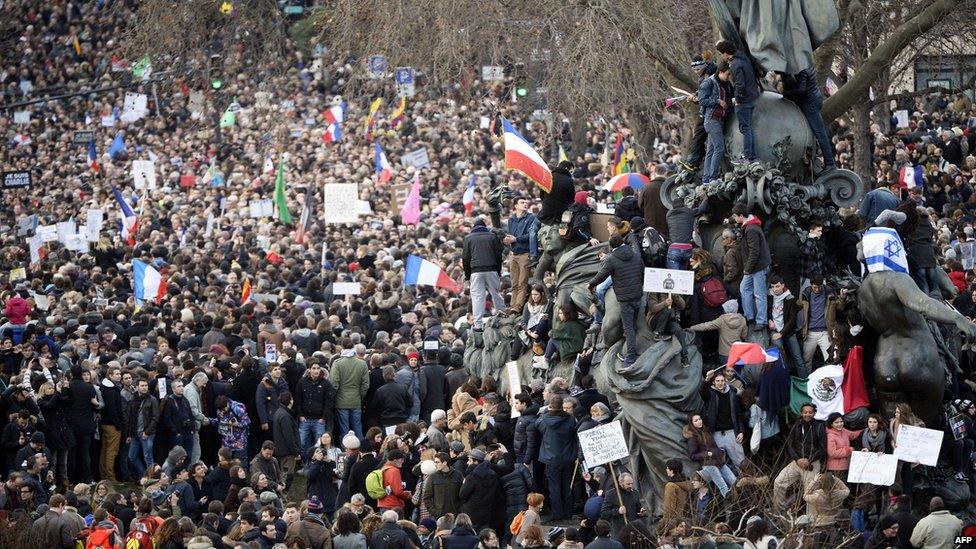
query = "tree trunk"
{"x": 861, "y": 143}
{"x": 885, "y": 53}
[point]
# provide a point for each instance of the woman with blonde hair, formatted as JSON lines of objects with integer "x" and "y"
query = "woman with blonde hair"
{"x": 906, "y": 471}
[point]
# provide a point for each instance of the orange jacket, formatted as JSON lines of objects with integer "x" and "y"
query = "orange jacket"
{"x": 391, "y": 481}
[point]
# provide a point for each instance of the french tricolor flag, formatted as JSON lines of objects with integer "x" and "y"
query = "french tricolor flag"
{"x": 383, "y": 170}
{"x": 148, "y": 284}
{"x": 92, "y": 156}
{"x": 421, "y": 272}
{"x": 520, "y": 156}
{"x": 334, "y": 116}
{"x": 129, "y": 221}
{"x": 742, "y": 352}
{"x": 910, "y": 177}
{"x": 468, "y": 199}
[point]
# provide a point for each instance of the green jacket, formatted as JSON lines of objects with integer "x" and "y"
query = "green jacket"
{"x": 569, "y": 338}
{"x": 350, "y": 377}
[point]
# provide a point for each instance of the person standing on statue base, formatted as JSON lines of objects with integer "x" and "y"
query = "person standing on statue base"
{"x": 714, "y": 106}
{"x": 482, "y": 261}
{"x": 755, "y": 266}
{"x": 746, "y": 94}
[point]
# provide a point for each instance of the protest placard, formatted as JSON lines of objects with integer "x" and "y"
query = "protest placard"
{"x": 399, "y": 193}
{"x": 262, "y": 208}
{"x": 966, "y": 252}
{"x": 669, "y": 281}
{"x": 377, "y": 66}
{"x": 48, "y": 233}
{"x": 603, "y": 444}
{"x": 418, "y": 159}
{"x": 958, "y": 425}
{"x": 514, "y": 384}
{"x": 66, "y": 229}
{"x": 35, "y": 243}
{"x": 902, "y": 118}
{"x": 492, "y": 73}
{"x": 872, "y": 468}
{"x": 27, "y": 225}
{"x": 363, "y": 207}
{"x": 16, "y": 179}
{"x": 82, "y": 137}
{"x": 346, "y": 288}
{"x": 918, "y": 445}
{"x": 144, "y": 174}
{"x": 77, "y": 242}
{"x": 270, "y": 352}
{"x": 42, "y": 301}
{"x": 108, "y": 121}
{"x": 21, "y": 117}
{"x": 484, "y": 123}
{"x": 340, "y": 203}
{"x": 95, "y": 219}
{"x": 265, "y": 297}
{"x": 18, "y": 273}
{"x": 135, "y": 106}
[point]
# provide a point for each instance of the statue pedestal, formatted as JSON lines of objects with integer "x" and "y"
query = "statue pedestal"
{"x": 774, "y": 121}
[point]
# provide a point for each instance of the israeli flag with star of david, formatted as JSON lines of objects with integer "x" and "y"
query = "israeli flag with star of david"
{"x": 884, "y": 251}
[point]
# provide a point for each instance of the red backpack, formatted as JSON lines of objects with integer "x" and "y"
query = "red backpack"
{"x": 103, "y": 538}
{"x": 713, "y": 292}
{"x": 140, "y": 537}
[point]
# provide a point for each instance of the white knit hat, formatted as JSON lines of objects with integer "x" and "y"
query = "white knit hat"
{"x": 350, "y": 441}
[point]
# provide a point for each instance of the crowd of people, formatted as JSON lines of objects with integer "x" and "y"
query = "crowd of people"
{"x": 310, "y": 419}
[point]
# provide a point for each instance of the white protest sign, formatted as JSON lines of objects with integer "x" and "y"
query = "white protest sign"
{"x": 18, "y": 273}
{"x": 48, "y": 233}
{"x": 363, "y": 207}
{"x": 144, "y": 174}
{"x": 77, "y": 242}
{"x": 265, "y": 297}
{"x": 94, "y": 226}
{"x": 872, "y": 468}
{"x": 346, "y": 288}
{"x": 340, "y": 203}
{"x": 484, "y": 123}
{"x": 918, "y": 444}
{"x": 270, "y": 352}
{"x": 966, "y": 251}
{"x": 417, "y": 159}
{"x": 603, "y": 444}
{"x": 108, "y": 121}
{"x": 262, "y": 208}
{"x": 210, "y": 225}
{"x": 902, "y": 118}
{"x": 42, "y": 301}
{"x": 391, "y": 430}
{"x": 21, "y": 117}
{"x": 514, "y": 384}
{"x": 669, "y": 281}
{"x": 66, "y": 229}
{"x": 492, "y": 73}
{"x": 35, "y": 242}
{"x": 135, "y": 106}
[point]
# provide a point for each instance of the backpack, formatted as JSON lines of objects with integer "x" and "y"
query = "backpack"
{"x": 375, "y": 487}
{"x": 713, "y": 292}
{"x": 574, "y": 221}
{"x": 103, "y": 538}
{"x": 516, "y": 525}
{"x": 140, "y": 537}
{"x": 653, "y": 246}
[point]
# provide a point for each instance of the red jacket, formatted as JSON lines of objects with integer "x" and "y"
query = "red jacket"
{"x": 958, "y": 279}
{"x": 18, "y": 310}
{"x": 394, "y": 484}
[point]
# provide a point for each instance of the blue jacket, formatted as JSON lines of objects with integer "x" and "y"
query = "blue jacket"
{"x": 875, "y": 202}
{"x": 525, "y": 230}
{"x": 709, "y": 95}
{"x": 558, "y": 438}
{"x": 744, "y": 78}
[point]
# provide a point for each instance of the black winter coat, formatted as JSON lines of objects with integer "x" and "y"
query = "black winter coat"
{"x": 80, "y": 410}
{"x": 315, "y": 399}
{"x": 461, "y": 538}
{"x": 394, "y": 403}
{"x": 555, "y": 202}
{"x": 176, "y": 415}
{"x": 432, "y": 389}
{"x": 219, "y": 479}
{"x": 357, "y": 476}
{"x": 284, "y": 426}
{"x": 58, "y": 434}
{"x": 478, "y": 493}
{"x": 320, "y": 476}
{"x": 755, "y": 251}
{"x": 482, "y": 252}
{"x": 516, "y": 486}
{"x": 920, "y": 246}
{"x": 243, "y": 389}
{"x": 525, "y": 441}
{"x": 627, "y": 270}
{"x": 453, "y": 380}
{"x": 112, "y": 412}
{"x": 711, "y": 398}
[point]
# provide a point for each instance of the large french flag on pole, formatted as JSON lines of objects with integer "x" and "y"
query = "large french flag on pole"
{"x": 129, "y": 221}
{"x": 147, "y": 283}
{"x": 521, "y": 156}
{"x": 743, "y": 352}
{"x": 383, "y": 169}
{"x": 421, "y": 272}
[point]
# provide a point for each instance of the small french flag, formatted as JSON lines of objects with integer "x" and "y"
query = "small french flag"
{"x": 148, "y": 284}
{"x": 910, "y": 177}
{"x": 383, "y": 169}
{"x": 468, "y": 199}
{"x": 129, "y": 221}
{"x": 333, "y": 132}
{"x": 93, "y": 156}
{"x": 742, "y": 352}
{"x": 420, "y": 272}
{"x": 334, "y": 117}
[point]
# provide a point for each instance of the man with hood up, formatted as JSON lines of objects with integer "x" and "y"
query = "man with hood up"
{"x": 627, "y": 270}
{"x": 731, "y": 327}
